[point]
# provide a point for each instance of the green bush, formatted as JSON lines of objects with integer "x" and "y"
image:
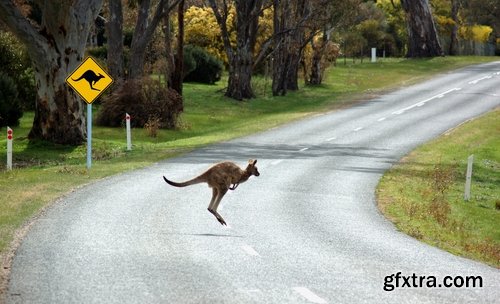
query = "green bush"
{"x": 100, "y": 52}
{"x": 10, "y": 110}
{"x": 145, "y": 99}
{"x": 15, "y": 62}
{"x": 208, "y": 68}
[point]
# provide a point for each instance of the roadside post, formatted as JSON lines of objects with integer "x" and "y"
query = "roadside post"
{"x": 374, "y": 54}
{"x": 129, "y": 135}
{"x": 10, "y": 138}
{"x": 89, "y": 80}
{"x": 468, "y": 177}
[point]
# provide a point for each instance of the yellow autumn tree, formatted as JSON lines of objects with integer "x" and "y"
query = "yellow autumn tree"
{"x": 479, "y": 33}
{"x": 201, "y": 29}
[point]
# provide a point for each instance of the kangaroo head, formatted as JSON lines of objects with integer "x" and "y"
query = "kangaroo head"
{"x": 251, "y": 168}
{"x": 100, "y": 76}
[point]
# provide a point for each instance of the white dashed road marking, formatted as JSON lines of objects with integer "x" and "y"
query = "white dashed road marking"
{"x": 303, "y": 149}
{"x": 478, "y": 80}
{"x": 309, "y": 295}
{"x": 421, "y": 103}
{"x": 249, "y": 250}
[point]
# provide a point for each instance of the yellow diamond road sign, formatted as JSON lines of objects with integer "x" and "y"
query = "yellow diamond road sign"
{"x": 89, "y": 80}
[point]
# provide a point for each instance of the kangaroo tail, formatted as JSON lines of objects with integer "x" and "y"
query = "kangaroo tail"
{"x": 77, "y": 79}
{"x": 193, "y": 181}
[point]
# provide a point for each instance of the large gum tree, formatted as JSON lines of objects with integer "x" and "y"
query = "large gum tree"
{"x": 56, "y": 44}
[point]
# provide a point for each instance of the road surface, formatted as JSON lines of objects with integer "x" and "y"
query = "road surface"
{"x": 307, "y": 230}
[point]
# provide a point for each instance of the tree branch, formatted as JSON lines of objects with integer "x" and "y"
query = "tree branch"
{"x": 222, "y": 21}
{"x": 22, "y": 28}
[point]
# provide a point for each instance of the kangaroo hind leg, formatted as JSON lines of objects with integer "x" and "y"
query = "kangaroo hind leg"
{"x": 212, "y": 209}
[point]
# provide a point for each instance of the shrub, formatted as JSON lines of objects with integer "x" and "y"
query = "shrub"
{"x": 152, "y": 126}
{"x": 143, "y": 99}
{"x": 100, "y": 52}
{"x": 10, "y": 109}
{"x": 15, "y": 62}
{"x": 208, "y": 68}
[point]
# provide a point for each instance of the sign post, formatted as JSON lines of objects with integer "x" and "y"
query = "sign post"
{"x": 89, "y": 80}
{"x": 129, "y": 135}
{"x": 10, "y": 137}
{"x": 89, "y": 135}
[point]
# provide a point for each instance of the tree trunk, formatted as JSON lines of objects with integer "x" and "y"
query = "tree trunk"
{"x": 115, "y": 40}
{"x": 289, "y": 44}
{"x": 143, "y": 33}
{"x": 59, "y": 116}
{"x": 170, "y": 60}
{"x": 281, "y": 59}
{"x": 240, "y": 76}
{"x": 139, "y": 41}
{"x": 179, "y": 57}
{"x": 422, "y": 34}
{"x": 240, "y": 73}
{"x": 241, "y": 58}
{"x": 56, "y": 50}
{"x": 292, "y": 77}
{"x": 316, "y": 76}
{"x": 454, "y": 30}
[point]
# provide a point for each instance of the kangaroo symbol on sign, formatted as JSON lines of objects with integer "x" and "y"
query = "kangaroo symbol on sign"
{"x": 91, "y": 77}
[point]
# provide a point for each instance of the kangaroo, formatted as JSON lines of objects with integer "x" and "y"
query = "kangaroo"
{"x": 91, "y": 77}
{"x": 221, "y": 177}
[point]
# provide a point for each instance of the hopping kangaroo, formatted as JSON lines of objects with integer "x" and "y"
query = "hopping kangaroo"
{"x": 221, "y": 177}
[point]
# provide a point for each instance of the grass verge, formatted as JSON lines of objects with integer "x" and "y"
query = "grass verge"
{"x": 424, "y": 194}
{"x": 45, "y": 171}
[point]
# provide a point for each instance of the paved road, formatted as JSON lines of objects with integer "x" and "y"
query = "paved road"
{"x": 306, "y": 231}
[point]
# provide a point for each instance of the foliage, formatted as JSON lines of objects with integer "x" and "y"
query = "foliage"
{"x": 396, "y": 24}
{"x": 10, "y": 110}
{"x": 479, "y": 33}
{"x": 16, "y": 63}
{"x": 152, "y": 126}
{"x": 201, "y": 29}
{"x": 143, "y": 99}
{"x": 100, "y": 52}
{"x": 207, "y": 68}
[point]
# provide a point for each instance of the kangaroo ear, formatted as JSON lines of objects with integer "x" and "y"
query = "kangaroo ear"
{"x": 250, "y": 161}
{"x": 254, "y": 162}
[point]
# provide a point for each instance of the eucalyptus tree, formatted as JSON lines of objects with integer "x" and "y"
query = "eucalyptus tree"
{"x": 55, "y": 43}
{"x": 423, "y": 38}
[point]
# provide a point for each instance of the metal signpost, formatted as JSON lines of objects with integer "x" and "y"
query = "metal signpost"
{"x": 89, "y": 80}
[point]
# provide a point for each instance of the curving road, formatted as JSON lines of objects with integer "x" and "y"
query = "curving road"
{"x": 306, "y": 231}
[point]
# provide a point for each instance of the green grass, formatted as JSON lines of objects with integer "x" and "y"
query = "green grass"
{"x": 423, "y": 195}
{"x": 44, "y": 172}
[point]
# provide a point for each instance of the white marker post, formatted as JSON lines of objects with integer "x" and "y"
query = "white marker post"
{"x": 374, "y": 55}
{"x": 129, "y": 135}
{"x": 10, "y": 137}
{"x": 468, "y": 177}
